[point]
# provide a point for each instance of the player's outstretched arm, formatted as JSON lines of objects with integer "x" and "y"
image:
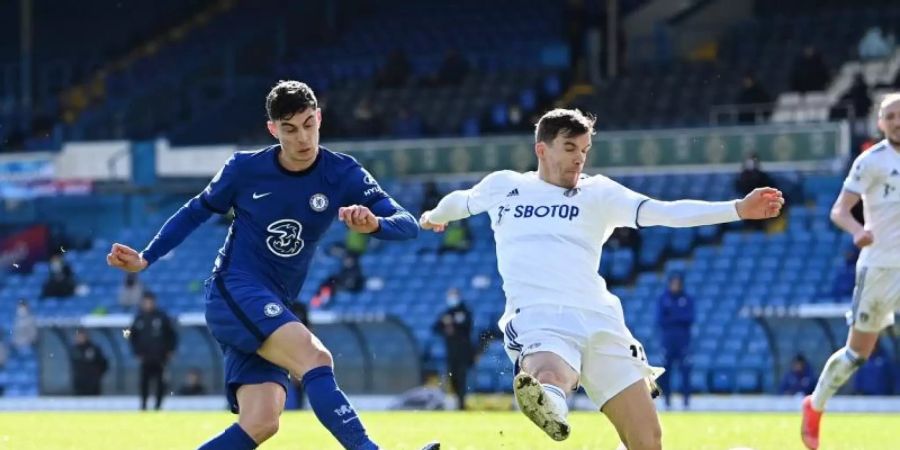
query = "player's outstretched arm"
{"x": 454, "y": 206}
{"x": 762, "y": 203}
{"x": 842, "y": 216}
{"x": 385, "y": 220}
{"x": 173, "y": 232}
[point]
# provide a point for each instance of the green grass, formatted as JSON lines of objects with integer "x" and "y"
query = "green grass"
{"x": 473, "y": 430}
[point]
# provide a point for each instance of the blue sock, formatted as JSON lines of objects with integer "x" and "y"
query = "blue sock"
{"x": 333, "y": 409}
{"x": 234, "y": 438}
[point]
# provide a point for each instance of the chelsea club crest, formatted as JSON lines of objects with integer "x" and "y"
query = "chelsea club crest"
{"x": 318, "y": 202}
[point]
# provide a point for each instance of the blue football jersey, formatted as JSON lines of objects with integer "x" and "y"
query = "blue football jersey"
{"x": 280, "y": 215}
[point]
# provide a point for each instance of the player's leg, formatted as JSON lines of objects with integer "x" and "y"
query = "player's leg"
{"x": 458, "y": 372}
{"x": 665, "y": 381}
{"x": 634, "y": 416}
{"x": 872, "y": 310}
{"x": 684, "y": 366}
{"x": 144, "y": 384}
{"x": 263, "y": 341}
{"x": 616, "y": 377}
{"x": 293, "y": 347}
{"x": 541, "y": 388}
{"x": 544, "y": 344}
{"x": 159, "y": 376}
{"x": 260, "y": 409}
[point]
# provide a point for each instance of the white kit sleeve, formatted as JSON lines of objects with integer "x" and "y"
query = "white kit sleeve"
{"x": 685, "y": 213}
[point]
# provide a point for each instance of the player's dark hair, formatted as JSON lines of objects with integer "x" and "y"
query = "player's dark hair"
{"x": 563, "y": 122}
{"x": 289, "y": 97}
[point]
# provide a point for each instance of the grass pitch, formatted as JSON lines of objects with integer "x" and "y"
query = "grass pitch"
{"x": 459, "y": 431}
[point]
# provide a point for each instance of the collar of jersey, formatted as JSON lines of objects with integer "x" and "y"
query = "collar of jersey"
{"x": 298, "y": 173}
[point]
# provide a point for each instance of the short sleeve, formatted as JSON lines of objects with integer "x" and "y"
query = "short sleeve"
{"x": 219, "y": 195}
{"x": 362, "y": 188}
{"x": 489, "y": 191}
{"x": 619, "y": 203}
{"x": 860, "y": 177}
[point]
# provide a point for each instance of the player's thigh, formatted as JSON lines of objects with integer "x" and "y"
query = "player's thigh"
{"x": 634, "y": 416}
{"x": 242, "y": 313}
{"x": 549, "y": 367}
{"x": 549, "y": 339}
{"x": 295, "y": 348}
{"x": 862, "y": 342}
{"x": 875, "y": 297}
{"x": 261, "y": 407}
{"x": 613, "y": 361}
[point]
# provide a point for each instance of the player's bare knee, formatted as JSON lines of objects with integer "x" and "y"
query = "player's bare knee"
{"x": 260, "y": 427}
{"x": 322, "y": 357}
{"x": 554, "y": 377}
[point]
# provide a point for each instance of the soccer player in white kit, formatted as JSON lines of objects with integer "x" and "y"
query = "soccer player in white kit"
{"x": 874, "y": 178}
{"x": 562, "y": 326}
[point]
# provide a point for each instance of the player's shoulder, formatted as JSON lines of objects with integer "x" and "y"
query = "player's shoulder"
{"x": 876, "y": 153}
{"x": 337, "y": 162}
{"x": 596, "y": 182}
{"x": 502, "y": 177}
{"x": 250, "y": 157}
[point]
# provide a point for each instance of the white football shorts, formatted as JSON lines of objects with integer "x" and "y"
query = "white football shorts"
{"x": 598, "y": 346}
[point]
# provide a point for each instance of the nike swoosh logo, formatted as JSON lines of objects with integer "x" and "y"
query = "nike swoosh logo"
{"x": 259, "y": 196}
{"x": 350, "y": 419}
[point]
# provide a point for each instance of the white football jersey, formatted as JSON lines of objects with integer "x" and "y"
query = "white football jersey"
{"x": 875, "y": 175}
{"x": 549, "y": 238}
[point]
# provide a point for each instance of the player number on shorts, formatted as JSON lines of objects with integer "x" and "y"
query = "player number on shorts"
{"x": 637, "y": 351}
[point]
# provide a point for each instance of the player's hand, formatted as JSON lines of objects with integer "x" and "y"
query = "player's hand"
{"x": 863, "y": 238}
{"x": 762, "y": 203}
{"x": 358, "y": 218}
{"x": 125, "y": 258}
{"x": 428, "y": 225}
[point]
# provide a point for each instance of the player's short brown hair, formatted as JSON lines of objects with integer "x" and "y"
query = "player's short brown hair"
{"x": 564, "y": 122}
{"x": 289, "y": 97}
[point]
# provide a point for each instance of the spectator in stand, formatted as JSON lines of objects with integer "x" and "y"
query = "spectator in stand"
{"x": 457, "y": 237}
{"x": 750, "y": 178}
{"x": 61, "y": 281}
{"x": 428, "y": 397}
{"x": 876, "y": 376}
{"x": 131, "y": 292}
{"x": 455, "y": 326}
{"x": 153, "y": 341}
{"x": 753, "y": 94}
{"x": 675, "y": 317}
{"x": 395, "y": 72}
{"x": 366, "y": 120}
{"x": 858, "y": 97}
{"x": 88, "y": 365}
{"x": 431, "y": 196}
{"x": 25, "y": 331}
{"x": 809, "y": 71}
{"x": 193, "y": 383}
{"x": 453, "y": 70}
{"x": 799, "y": 380}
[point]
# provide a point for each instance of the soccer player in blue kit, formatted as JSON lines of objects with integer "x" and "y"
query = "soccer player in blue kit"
{"x": 285, "y": 197}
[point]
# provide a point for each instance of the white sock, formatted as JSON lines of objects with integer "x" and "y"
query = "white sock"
{"x": 838, "y": 369}
{"x": 557, "y": 399}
